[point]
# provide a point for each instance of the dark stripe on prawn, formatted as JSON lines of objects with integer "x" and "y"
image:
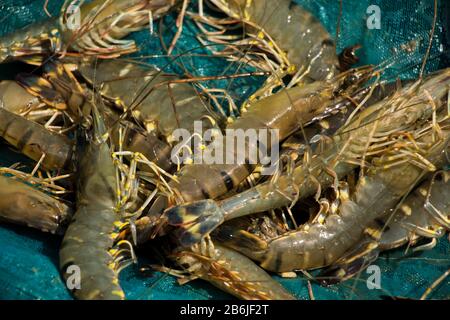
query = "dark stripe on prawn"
{"x": 8, "y": 124}
{"x": 22, "y": 142}
{"x": 227, "y": 180}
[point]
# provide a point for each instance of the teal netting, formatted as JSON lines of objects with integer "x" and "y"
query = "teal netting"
{"x": 29, "y": 259}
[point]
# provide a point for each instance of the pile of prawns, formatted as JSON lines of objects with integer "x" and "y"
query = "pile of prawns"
{"x": 361, "y": 167}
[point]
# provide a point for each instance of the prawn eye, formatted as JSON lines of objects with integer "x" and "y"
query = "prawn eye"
{"x": 351, "y": 80}
{"x": 346, "y": 83}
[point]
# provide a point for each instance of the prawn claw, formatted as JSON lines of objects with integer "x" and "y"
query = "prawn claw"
{"x": 194, "y": 220}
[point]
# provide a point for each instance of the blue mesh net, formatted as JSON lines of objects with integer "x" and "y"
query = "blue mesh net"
{"x": 29, "y": 259}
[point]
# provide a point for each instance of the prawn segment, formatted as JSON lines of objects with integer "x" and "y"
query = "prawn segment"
{"x": 16, "y": 99}
{"x": 35, "y": 141}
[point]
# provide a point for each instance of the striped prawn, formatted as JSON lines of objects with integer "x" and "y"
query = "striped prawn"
{"x": 94, "y": 28}
{"x": 423, "y": 214}
{"x": 269, "y": 44}
{"x": 91, "y": 241}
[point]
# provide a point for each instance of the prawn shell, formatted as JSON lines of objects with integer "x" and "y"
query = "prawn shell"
{"x": 23, "y": 204}
{"x": 34, "y": 140}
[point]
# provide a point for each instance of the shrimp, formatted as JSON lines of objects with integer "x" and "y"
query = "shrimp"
{"x": 345, "y": 153}
{"x": 286, "y": 112}
{"x": 336, "y": 115}
{"x": 36, "y": 142}
{"x": 22, "y": 204}
{"x": 270, "y": 45}
{"x": 94, "y": 28}
{"x": 418, "y": 216}
{"x": 228, "y": 270}
{"x": 90, "y": 242}
{"x": 59, "y": 88}
{"x": 424, "y": 213}
{"x": 319, "y": 244}
{"x": 161, "y": 104}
